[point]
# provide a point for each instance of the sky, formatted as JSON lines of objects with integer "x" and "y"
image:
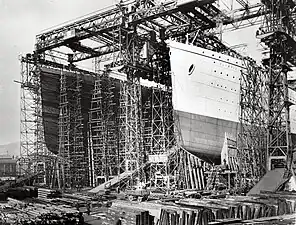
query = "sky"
{"x": 21, "y": 21}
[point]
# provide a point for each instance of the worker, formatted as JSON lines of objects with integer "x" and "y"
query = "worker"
{"x": 88, "y": 205}
{"x": 224, "y": 165}
{"x": 118, "y": 222}
{"x": 77, "y": 206}
{"x": 81, "y": 218}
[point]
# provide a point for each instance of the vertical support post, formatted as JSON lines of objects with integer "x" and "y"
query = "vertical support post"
{"x": 281, "y": 42}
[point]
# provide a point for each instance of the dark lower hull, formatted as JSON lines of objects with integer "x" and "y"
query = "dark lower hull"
{"x": 204, "y": 136}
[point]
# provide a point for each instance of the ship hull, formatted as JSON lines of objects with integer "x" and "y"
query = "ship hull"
{"x": 203, "y": 135}
{"x": 206, "y": 92}
{"x": 206, "y": 99}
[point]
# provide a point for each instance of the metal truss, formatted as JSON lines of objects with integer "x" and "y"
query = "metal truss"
{"x": 253, "y": 121}
{"x": 157, "y": 142}
{"x": 32, "y": 143}
{"x": 169, "y": 19}
{"x": 78, "y": 158}
{"x": 133, "y": 143}
{"x": 97, "y": 129}
{"x": 278, "y": 34}
{"x": 71, "y": 139}
{"x": 65, "y": 135}
{"x": 131, "y": 155}
{"x": 111, "y": 134}
{"x": 28, "y": 116}
{"x": 279, "y": 138}
{"x": 122, "y": 117}
{"x": 243, "y": 17}
{"x": 103, "y": 133}
{"x": 162, "y": 128}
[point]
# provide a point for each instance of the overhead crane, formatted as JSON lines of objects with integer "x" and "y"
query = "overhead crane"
{"x": 121, "y": 32}
{"x": 169, "y": 19}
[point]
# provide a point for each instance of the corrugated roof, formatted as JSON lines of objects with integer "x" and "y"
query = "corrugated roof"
{"x": 5, "y": 160}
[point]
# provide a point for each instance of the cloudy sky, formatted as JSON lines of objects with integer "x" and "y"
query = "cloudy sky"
{"x": 20, "y": 21}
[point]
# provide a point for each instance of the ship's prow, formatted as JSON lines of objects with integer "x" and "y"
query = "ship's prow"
{"x": 206, "y": 91}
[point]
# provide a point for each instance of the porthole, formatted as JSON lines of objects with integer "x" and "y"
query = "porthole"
{"x": 191, "y": 69}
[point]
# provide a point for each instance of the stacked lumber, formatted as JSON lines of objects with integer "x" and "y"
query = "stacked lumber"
{"x": 185, "y": 217}
{"x": 203, "y": 211}
{"x": 112, "y": 215}
{"x": 44, "y": 193}
{"x": 28, "y": 213}
{"x": 144, "y": 218}
{"x": 51, "y": 218}
{"x": 77, "y": 197}
{"x": 284, "y": 219}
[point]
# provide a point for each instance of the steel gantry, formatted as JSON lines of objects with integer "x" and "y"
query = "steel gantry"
{"x": 130, "y": 35}
{"x": 278, "y": 33}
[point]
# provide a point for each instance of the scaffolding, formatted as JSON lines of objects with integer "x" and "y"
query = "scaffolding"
{"x": 33, "y": 150}
{"x": 96, "y": 125}
{"x": 65, "y": 134}
{"x": 111, "y": 133}
{"x": 253, "y": 122}
{"x": 103, "y": 131}
{"x": 78, "y": 158}
{"x": 133, "y": 148}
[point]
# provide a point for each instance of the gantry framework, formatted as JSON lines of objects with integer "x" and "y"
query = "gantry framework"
{"x": 278, "y": 33}
{"x": 131, "y": 35}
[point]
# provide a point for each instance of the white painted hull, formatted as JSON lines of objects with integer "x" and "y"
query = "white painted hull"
{"x": 206, "y": 96}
